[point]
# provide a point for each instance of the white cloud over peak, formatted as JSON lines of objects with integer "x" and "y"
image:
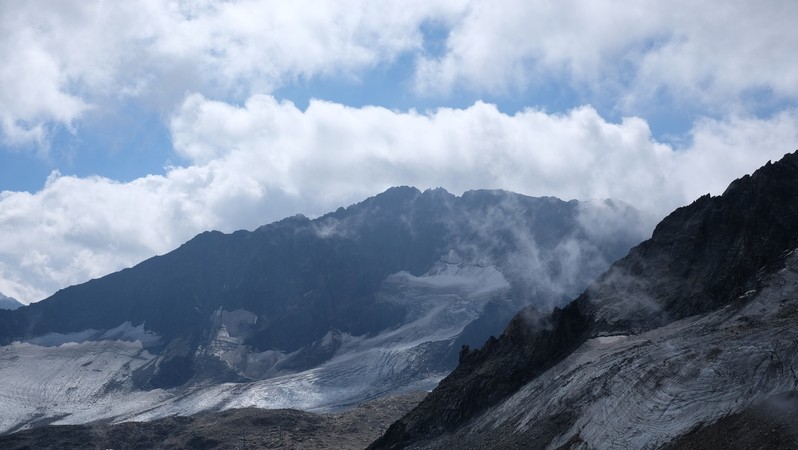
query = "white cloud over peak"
{"x": 331, "y": 154}
{"x": 266, "y": 159}
{"x": 211, "y": 68}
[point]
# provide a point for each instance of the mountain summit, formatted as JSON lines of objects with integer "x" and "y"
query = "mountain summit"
{"x": 694, "y": 324}
{"x": 369, "y": 300}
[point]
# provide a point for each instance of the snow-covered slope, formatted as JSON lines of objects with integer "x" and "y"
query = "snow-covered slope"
{"x": 81, "y": 374}
{"x": 84, "y": 377}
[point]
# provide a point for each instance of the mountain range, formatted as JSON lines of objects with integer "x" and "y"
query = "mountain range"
{"x": 689, "y": 341}
{"x": 318, "y": 314}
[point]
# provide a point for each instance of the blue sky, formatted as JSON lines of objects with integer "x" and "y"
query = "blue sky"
{"x": 128, "y": 127}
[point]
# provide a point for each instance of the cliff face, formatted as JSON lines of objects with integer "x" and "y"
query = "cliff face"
{"x": 694, "y": 323}
{"x": 704, "y": 255}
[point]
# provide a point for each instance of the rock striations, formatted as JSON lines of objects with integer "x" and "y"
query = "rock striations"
{"x": 698, "y": 323}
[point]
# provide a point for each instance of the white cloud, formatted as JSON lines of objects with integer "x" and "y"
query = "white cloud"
{"x": 264, "y": 160}
{"x": 700, "y": 53}
{"x": 333, "y": 153}
{"x": 70, "y": 57}
{"x": 247, "y": 165}
{"x": 67, "y": 57}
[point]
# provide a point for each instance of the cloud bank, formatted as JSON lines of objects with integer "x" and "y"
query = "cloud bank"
{"x": 266, "y": 159}
{"x": 211, "y": 72}
{"x": 70, "y": 58}
{"x": 705, "y": 53}
{"x": 73, "y": 57}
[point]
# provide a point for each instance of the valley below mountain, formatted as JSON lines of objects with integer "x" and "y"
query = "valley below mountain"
{"x": 353, "y": 429}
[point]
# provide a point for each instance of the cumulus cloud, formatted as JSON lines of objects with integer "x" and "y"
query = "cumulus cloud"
{"x": 250, "y": 159}
{"x": 701, "y": 54}
{"x": 266, "y": 159}
{"x": 336, "y": 153}
{"x": 70, "y": 57}
{"x": 73, "y": 57}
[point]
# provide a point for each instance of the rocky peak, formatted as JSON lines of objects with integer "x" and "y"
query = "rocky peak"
{"x": 703, "y": 255}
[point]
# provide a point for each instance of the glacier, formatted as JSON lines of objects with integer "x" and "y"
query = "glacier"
{"x": 87, "y": 376}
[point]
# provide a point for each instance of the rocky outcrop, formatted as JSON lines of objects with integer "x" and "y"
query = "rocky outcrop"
{"x": 704, "y": 255}
{"x": 531, "y": 344}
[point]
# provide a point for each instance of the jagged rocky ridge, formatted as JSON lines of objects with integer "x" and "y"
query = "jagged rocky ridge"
{"x": 694, "y": 324}
{"x": 316, "y": 314}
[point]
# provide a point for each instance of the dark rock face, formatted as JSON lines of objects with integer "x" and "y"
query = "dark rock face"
{"x": 700, "y": 258}
{"x": 704, "y": 255}
{"x": 531, "y": 343}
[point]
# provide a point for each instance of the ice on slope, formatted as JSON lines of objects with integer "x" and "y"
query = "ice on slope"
{"x": 365, "y": 367}
{"x": 84, "y": 377}
{"x": 43, "y": 383}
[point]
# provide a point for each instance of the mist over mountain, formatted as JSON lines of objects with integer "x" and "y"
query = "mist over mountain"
{"x": 367, "y": 301}
{"x": 694, "y": 330}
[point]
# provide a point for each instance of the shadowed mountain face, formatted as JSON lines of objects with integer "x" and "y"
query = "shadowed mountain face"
{"x": 694, "y": 324}
{"x": 379, "y": 296}
{"x": 9, "y": 303}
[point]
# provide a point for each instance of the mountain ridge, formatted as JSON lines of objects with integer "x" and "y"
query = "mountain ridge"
{"x": 379, "y": 295}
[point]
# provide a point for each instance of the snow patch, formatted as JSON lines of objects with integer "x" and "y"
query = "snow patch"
{"x": 124, "y": 332}
{"x": 605, "y": 340}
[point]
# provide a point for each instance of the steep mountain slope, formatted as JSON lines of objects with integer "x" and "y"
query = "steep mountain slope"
{"x": 316, "y": 314}
{"x": 696, "y": 323}
{"x": 9, "y": 303}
